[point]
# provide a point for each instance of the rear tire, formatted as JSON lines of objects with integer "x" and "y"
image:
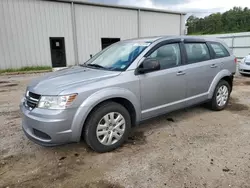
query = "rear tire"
{"x": 221, "y": 96}
{"x": 107, "y": 127}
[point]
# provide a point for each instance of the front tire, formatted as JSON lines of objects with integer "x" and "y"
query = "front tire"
{"x": 221, "y": 96}
{"x": 107, "y": 127}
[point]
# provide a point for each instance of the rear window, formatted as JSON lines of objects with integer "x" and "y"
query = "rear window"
{"x": 197, "y": 52}
{"x": 219, "y": 50}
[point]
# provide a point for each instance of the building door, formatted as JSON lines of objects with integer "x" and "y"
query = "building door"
{"x": 58, "y": 55}
{"x": 108, "y": 41}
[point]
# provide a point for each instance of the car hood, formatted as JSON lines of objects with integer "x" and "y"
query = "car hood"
{"x": 54, "y": 83}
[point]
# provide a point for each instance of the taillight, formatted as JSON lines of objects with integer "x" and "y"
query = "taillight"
{"x": 235, "y": 60}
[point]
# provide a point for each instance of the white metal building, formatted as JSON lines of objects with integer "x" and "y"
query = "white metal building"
{"x": 66, "y": 32}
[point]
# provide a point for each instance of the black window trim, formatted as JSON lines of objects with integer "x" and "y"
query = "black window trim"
{"x": 194, "y": 40}
{"x": 163, "y": 43}
{"x": 214, "y": 54}
{"x": 201, "y": 41}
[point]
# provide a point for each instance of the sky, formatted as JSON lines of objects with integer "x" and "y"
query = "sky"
{"x": 199, "y": 8}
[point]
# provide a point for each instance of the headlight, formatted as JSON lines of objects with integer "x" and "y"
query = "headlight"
{"x": 56, "y": 102}
{"x": 243, "y": 60}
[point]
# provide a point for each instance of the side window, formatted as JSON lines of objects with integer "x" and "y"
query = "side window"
{"x": 219, "y": 50}
{"x": 168, "y": 55}
{"x": 197, "y": 52}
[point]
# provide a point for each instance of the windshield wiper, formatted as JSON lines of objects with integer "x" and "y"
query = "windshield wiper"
{"x": 82, "y": 65}
{"x": 96, "y": 66}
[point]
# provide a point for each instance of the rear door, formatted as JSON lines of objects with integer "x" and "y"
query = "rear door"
{"x": 200, "y": 69}
{"x": 222, "y": 56}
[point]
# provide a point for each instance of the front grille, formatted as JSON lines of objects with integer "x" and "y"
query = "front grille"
{"x": 33, "y": 95}
{"x": 246, "y": 70}
{"x": 32, "y": 100}
{"x": 31, "y": 104}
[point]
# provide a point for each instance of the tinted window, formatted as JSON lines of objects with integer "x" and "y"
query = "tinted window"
{"x": 197, "y": 52}
{"x": 118, "y": 56}
{"x": 220, "y": 50}
{"x": 168, "y": 55}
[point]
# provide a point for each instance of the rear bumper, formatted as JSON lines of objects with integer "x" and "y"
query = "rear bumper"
{"x": 48, "y": 127}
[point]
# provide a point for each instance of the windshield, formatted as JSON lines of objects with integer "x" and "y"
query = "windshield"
{"x": 118, "y": 56}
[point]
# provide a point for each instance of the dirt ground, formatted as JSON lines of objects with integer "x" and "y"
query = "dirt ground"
{"x": 189, "y": 148}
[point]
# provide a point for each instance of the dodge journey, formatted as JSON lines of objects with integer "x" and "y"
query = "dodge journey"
{"x": 126, "y": 83}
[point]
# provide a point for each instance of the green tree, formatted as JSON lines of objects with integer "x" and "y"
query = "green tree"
{"x": 236, "y": 19}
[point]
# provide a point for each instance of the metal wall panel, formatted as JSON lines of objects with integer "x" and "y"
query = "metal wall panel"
{"x": 26, "y": 26}
{"x": 241, "y": 52}
{"x": 156, "y": 23}
{"x": 228, "y": 41}
{"x": 242, "y": 41}
{"x": 183, "y": 30}
{"x": 238, "y": 42}
{"x": 94, "y": 23}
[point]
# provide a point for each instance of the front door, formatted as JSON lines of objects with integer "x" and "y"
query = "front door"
{"x": 58, "y": 55}
{"x": 164, "y": 90}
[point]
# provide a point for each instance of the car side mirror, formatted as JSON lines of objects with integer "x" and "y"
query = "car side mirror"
{"x": 149, "y": 65}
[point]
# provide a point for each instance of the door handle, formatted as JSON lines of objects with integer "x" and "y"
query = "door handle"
{"x": 180, "y": 73}
{"x": 213, "y": 66}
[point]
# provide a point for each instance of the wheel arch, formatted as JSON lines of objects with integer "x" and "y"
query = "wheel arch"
{"x": 229, "y": 80}
{"x": 222, "y": 75}
{"x": 118, "y": 95}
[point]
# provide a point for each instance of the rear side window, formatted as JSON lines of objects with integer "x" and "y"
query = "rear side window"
{"x": 197, "y": 52}
{"x": 219, "y": 50}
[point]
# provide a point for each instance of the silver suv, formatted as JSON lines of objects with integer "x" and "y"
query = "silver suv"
{"x": 126, "y": 83}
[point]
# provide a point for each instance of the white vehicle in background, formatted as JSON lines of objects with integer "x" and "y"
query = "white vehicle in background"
{"x": 244, "y": 66}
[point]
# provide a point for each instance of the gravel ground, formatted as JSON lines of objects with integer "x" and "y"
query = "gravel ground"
{"x": 189, "y": 148}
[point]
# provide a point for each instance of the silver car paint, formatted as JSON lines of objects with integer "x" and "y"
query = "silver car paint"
{"x": 172, "y": 91}
{"x": 55, "y": 83}
{"x": 243, "y": 67}
{"x": 153, "y": 96}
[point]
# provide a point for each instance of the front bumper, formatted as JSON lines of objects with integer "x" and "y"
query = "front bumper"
{"x": 48, "y": 127}
{"x": 243, "y": 68}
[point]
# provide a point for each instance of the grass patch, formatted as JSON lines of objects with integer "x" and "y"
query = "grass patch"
{"x": 27, "y": 69}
